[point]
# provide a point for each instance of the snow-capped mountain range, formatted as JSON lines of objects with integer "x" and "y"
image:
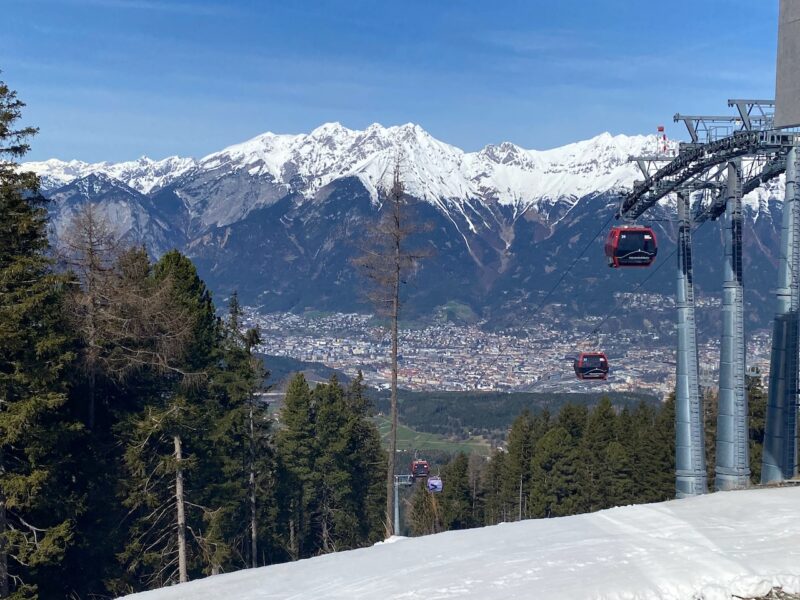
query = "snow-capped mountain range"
{"x": 277, "y": 217}
{"x": 144, "y": 174}
{"x": 432, "y": 170}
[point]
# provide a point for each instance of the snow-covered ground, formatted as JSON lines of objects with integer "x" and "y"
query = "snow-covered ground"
{"x": 713, "y": 547}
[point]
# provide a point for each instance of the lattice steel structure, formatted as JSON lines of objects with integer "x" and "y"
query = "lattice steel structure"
{"x": 712, "y": 162}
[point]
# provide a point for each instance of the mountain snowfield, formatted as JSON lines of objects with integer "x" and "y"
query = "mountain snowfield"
{"x": 143, "y": 175}
{"x": 432, "y": 170}
{"x": 714, "y": 547}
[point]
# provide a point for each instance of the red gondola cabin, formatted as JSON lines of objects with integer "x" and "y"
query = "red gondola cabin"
{"x": 591, "y": 365}
{"x": 631, "y": 247}
{"x": 420, "y": 468}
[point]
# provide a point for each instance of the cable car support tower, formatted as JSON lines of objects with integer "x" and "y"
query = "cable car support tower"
{"x": 727, "y": 157}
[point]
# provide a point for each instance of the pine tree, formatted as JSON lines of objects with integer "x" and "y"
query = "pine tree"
{"x": 757, "y": 403}
{"x": 337, "y": 504}
{"x": 601, "y": 430}
{"x": 89, "y": 249}
{"x": 456, "y": 497}
{"x": 333, "y": 468}
{"x": 541, "y": 424}
{"x": 555, "y": 491}
{"x": 367, "y": 463}
{"x": 475, "y": 469}
{"x": 664, "y": 450}
{"x": 710, "y": 413}
{"x": 616, "y": 479}
{"x": 387, "y": 262}
{"x": 297, "y": 452}
{"x": 239, "y": 486}
{"x": 573, "y": 418}
{"x": 494, "y": 506}
{"x": 516, "y": 485}
{"x": 424, "y": 512}
{"x": 37, "y": 505}
{"x": 640, "y": 438}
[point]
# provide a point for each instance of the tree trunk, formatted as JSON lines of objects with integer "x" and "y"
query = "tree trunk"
{"x": 4, "y": 586}
{"x": 393, "y": 431}
{"x": 91, "y": 293}
{"x": 183, "y": 575}
{"x": 253, "y": 523}
{"x": 92, "y": 387}
{"x": 325, "y": 534}
{"x": 294, "y": 546}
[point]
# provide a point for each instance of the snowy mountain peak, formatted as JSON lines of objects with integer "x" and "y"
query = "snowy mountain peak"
{"x": 330, "y": 129}
{"x": 506, "y": 153}
{"x": 94, "y": 185}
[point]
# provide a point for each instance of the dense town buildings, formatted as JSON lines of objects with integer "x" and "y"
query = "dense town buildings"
{"x": 440, "y": 355}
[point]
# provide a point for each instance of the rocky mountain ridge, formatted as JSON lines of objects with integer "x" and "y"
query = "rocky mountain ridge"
{"x": 278, "y": 217}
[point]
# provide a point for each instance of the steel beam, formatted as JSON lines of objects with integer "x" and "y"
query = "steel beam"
{"x": 733, "y": 456}
{"x": 695, "y": 159}
{"x": 690, "y": 457}
{"x": 779, "y": 460}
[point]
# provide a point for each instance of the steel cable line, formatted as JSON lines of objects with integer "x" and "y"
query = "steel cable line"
{"x": 596, "y": 330}
{"x": 574, "y": 262}
{"x": 547, "y": 296}
{"x": 613, "y": 309}
{"x": 608, "y": 314}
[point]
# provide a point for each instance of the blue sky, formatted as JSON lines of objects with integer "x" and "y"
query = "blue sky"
{"x": 117, "y": 79}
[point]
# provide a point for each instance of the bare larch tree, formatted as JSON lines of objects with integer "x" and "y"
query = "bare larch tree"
{"x": 89, "y": 248}
{"x": 386, "y": 261}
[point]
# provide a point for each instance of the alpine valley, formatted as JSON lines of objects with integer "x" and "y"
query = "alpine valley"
{"x": 279, "y": 218}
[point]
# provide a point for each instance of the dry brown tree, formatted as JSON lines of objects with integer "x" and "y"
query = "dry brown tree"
{"x": 89, "y": 248}
{"x": 386, "y": 261}
{"x": 144, "y": 328}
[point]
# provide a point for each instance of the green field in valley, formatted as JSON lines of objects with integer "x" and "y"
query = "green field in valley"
{"x": 408, "y": 439}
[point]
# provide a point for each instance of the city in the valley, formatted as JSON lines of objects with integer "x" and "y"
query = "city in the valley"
{"x": 440, "y": 355}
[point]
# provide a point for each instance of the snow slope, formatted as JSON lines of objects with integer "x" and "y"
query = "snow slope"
{"x": 711, "y": 547}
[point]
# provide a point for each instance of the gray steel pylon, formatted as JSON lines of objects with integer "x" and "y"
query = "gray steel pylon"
{"x": 690, "y": 458}
{"x": 779, "y": 459}
{"x": 732, "y": 469}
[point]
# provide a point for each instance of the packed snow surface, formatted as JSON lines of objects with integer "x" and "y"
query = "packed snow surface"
{"x": 712, "y": 547}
